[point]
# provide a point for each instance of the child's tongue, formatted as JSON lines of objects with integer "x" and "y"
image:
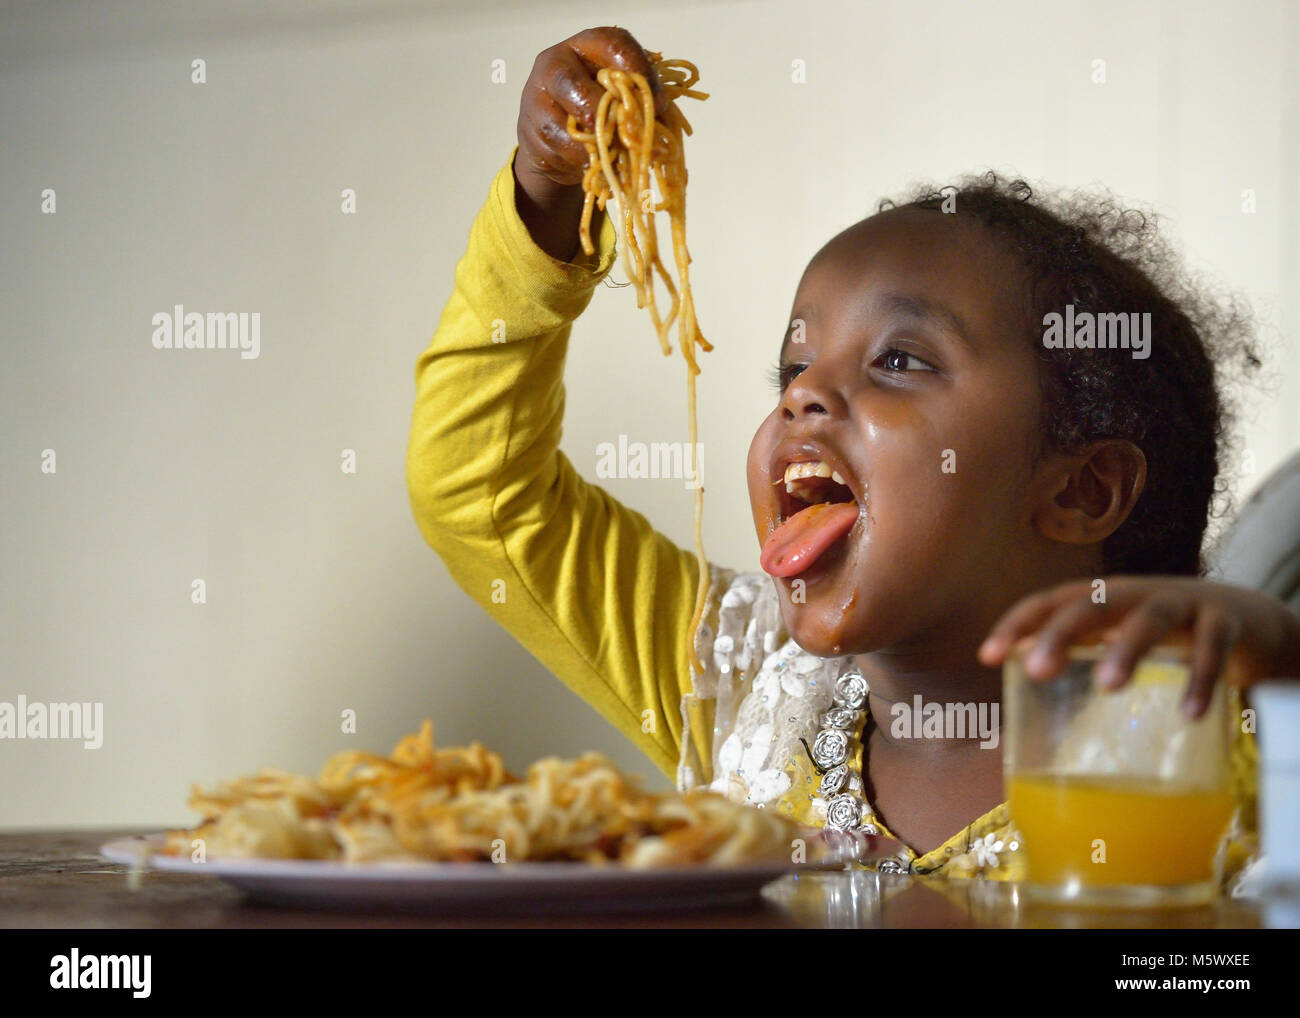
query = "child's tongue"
{"x": 798, "y": 542}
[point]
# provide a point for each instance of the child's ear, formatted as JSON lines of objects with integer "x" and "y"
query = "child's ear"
{"x": 1091, "y": 493}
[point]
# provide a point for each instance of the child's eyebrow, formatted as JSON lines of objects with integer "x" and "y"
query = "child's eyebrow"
{"x": 908, "y": 305}
{"x": 925, "y": 310}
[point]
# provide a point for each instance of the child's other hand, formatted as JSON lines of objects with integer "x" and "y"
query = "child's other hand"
{"x": 1261, "y": 636}
{"x": 550, "y": 163}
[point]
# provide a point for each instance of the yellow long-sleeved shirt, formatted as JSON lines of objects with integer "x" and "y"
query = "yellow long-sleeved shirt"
{"x": 585, "y": 583}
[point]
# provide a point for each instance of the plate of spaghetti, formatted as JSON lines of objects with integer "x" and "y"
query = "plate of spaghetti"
{"x": 426, "y": 827}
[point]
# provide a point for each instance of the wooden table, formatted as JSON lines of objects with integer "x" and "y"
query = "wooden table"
{"x": 55, "y": 879}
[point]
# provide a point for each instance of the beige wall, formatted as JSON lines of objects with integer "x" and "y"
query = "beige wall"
{"x": 321, "y": 595}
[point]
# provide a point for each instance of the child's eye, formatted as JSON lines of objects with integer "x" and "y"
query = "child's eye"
{"x": 781, "y": 375}
{"x": 895, "y": 359}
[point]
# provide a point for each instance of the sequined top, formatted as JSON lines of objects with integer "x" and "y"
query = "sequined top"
{"x": 588, "y": 585}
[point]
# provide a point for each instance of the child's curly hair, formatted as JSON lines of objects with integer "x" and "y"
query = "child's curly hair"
{"x": 1089, "y": 250}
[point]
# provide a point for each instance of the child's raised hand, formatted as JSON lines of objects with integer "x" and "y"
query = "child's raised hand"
{"x": 550, "y": 163}
{"x": 1261, "y": 636}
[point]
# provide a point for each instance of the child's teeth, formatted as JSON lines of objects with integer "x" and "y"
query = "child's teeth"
{"x": 814, "y": 469}
{"x": 795, "y": 472}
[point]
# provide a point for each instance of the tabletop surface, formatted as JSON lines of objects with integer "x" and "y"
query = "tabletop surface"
{"x": 57, "y": 879}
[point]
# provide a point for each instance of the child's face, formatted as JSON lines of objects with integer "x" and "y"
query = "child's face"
{"x": 935, "y": 434}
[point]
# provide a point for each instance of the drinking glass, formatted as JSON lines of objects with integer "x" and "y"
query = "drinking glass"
{"x": 1120, "y": 799}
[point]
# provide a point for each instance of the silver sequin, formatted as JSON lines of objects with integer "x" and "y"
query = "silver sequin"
{"x": 833, "y": 780}
{"x": 841, "y": 717}
{"x": 843, "y": 813}
{"x": 851, "y": 690}
{"x": 831, "y": 748}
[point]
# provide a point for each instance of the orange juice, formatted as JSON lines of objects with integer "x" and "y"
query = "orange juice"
{"x": 1147, "y": 831}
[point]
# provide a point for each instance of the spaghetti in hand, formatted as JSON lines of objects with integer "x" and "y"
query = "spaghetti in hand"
{"x": 629, "y": 150}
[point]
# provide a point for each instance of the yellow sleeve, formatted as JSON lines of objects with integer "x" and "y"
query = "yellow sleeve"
{"x": 586, "y": 584}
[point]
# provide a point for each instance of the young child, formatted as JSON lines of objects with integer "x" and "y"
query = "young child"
{"x": 988, "y": 478}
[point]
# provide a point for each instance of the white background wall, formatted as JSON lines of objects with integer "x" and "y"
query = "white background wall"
{"x": 225, "y": 196}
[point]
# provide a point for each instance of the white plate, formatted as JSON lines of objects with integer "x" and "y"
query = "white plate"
{"x": 522, "y": 886}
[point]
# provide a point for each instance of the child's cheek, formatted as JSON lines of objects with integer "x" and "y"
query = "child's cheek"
{"x": 757, "y": 468}
{"x": 939, "y": 481}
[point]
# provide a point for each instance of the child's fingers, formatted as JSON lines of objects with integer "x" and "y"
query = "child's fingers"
{"x": 616, "y": 47}
{"x": 1139, "y": 632}
{"x": 571, "y": 84}
{"x": 559, "y": 86}
{"x": 545, "y": 146}
{"x": 1070, "y": 621}
{"x": 1215, "y": 635}
{"x": 1022, "y": 619}
{"x": 566, "y": 152}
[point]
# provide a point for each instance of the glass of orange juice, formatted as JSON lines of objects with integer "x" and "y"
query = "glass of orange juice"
{"x": 1120, "y": 799}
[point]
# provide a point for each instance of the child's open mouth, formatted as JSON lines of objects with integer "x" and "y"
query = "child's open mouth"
{"x": 817, "y": 509}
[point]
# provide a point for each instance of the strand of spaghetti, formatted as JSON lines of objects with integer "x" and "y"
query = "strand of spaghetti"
{"x": 640, "y": 151}
{"x": 627, "y": 146}
{"x": 627, "y": 175}
{"x": 667, "y": 144}
{"x": 688, "y": 323}
{"x": 604, "y": 136}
